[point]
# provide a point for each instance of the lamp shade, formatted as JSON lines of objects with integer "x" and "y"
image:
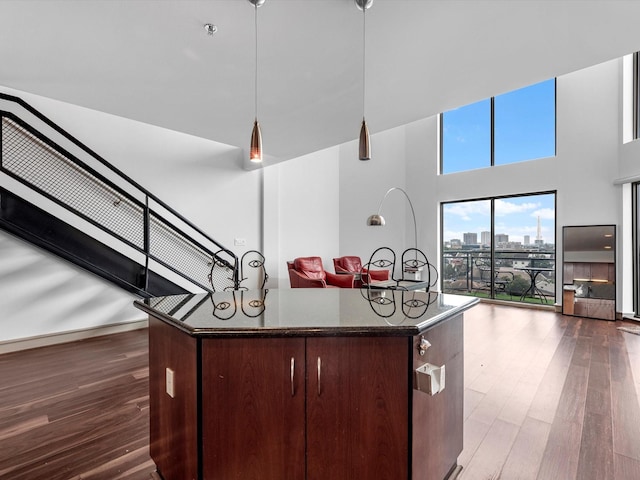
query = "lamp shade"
{"x": 365, "y": 145}
{"x": 375, "y": 221}
{"x": 255, "y": 154}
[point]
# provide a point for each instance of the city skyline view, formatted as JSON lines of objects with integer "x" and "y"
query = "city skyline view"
{"x": 516, "y": 217}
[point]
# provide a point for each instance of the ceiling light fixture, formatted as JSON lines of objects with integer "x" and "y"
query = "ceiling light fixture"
{"x": 255, "y": 152}
{"x": 365, "y": 144}
{"x": 210, "y": 28}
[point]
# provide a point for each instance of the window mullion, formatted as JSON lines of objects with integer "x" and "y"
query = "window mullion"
{"x": 492, "y": 127}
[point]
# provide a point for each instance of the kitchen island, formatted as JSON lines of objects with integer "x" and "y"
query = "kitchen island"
{"x": 306, "y": 384}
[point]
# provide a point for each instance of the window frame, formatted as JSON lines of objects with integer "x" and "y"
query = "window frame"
{"x": 492, "y": 253}
{"x": 635, "y": 234}
{"x": 636, "y": 95}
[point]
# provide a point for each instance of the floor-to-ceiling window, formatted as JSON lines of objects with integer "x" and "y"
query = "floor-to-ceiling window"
{"x": 500, "y": 247}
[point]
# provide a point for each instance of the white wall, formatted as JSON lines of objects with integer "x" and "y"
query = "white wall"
{"x": 363, "y": 185}
{"x": 582, "y": 173}
{"x": 302, "y": 200}
{"x": 41, "y": 294}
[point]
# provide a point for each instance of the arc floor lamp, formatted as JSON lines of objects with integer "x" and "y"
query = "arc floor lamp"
{"x": 377, "y": 220}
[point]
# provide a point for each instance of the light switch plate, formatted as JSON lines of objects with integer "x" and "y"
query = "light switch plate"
{"x": 169, "y": 382}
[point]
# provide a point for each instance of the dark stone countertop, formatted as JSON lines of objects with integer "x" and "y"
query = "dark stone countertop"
{"x": 306, "y": 312}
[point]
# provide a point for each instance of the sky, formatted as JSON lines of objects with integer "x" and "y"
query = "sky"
{"x": 524, "y": 126}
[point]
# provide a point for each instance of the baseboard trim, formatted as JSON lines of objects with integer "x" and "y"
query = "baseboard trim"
{"x": 70, "y": 336}
{"x": 457, "y": 469}
{"x": 506, "y": 303}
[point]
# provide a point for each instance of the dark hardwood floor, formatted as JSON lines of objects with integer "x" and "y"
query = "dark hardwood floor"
{"x": 546, "y": 397}
{"x": 549, "y": 397}
{"x": 76, "y": 411}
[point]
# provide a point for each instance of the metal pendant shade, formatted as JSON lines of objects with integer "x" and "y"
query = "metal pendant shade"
{"x": 365, "y": 144}
{"x": 376, "y": 220}
{"x": 255, "y": 153}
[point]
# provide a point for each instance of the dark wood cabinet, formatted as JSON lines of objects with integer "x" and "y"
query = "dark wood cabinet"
{"x": 332, "y": 403}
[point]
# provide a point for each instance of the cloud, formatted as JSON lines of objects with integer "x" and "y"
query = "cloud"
{"x": 467, "y": 211}
{"x": 504, "y": 207}
{"x": 544, "y": 214}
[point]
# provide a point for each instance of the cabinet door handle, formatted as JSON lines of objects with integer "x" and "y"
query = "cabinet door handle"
{"x": 293, "y": 372}
{"x": 319, "y": 376}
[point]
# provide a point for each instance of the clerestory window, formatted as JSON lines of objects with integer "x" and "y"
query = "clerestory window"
{"x": 513, "y": 127}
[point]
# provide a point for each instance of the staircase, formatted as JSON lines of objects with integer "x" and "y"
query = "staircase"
{"x": 60, "y": 196}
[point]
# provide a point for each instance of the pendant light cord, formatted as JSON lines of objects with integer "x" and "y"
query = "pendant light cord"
{"x": 255, "y": 89}
{"x": 364, "y": 54}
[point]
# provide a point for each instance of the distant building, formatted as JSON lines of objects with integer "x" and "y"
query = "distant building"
{"x": 470, "y": 238}
{"x": 527, "y": 240}
{"x": 455, "y": 243}
{"x": 502, "y": 238}
{"x": 485, "y": 238}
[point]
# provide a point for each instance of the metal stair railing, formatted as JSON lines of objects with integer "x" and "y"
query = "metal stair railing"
{"x": 94, "y": 196}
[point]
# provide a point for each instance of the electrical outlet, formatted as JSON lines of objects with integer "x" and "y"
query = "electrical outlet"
{"x": 240, "y": 242}
{"x": 170, "y": 383}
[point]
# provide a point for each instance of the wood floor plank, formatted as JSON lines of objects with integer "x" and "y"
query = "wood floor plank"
{"x": 596, "y": 448}
{"x": 625, "y": 410}
{"x": 523, "y": 462}
{"x": 492, "y": 453}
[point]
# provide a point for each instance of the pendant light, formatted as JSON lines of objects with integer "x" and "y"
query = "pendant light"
{"x": 365, "y": 144}
{"x": 255, "y": 152}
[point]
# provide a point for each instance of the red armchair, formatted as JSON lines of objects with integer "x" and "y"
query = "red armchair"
{"x": 308, "y": 272}
{"x": 353, "y": 265}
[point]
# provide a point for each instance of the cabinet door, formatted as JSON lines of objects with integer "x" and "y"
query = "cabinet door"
{"x": 253, "y": 409}
{"x": 438, "y": 420}
{"x": 599, "y": 271}
{"x": 582, "y": 271}
{"x": 611, "y": 272}
{"x": 358, "y": 408}
{"x": 568, "y": 273}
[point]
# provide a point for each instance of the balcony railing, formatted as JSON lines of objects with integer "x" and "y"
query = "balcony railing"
{"x": 508, "y": 275}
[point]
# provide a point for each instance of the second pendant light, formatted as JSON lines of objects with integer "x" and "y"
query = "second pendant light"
{"x": 365, "y": 143}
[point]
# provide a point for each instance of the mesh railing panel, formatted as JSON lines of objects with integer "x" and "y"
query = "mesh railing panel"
{"x": 169, "y": 304}
{"x": 33, "y": 161}
{"x": 171, "y": 247}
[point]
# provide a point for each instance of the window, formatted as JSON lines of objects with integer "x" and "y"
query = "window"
{"x": 491, "y": 246}
{"x": 466, "y": 137}
{"x": 509, "y": 128}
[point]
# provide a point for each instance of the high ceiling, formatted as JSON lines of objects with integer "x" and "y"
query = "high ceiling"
{"x": 152, "y": 61}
